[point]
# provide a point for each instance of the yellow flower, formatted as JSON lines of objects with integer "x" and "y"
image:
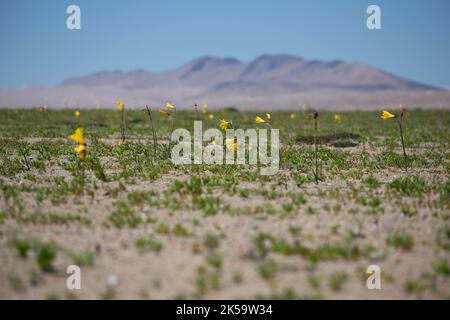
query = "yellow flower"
{"x": 170, "y": 106}
{"x": 210, "y": 116}
{"x": 259, "y": 120}
{"x": 292, "y": 116}
{"x": 163, "y": 112}
{"x": 81, "y": 150}
{"x": 337, "y": 118}
{"x": 205, "y": 108}
{"x": 230, "y": 142}
{"x": 269, "y": 116}
{"x": 77, "y": 114}
{"x": 77, "y": 136}
{"x": 224, "y": 124}
{"x": 387, "y": 115}
{"x": 120, "y": 104}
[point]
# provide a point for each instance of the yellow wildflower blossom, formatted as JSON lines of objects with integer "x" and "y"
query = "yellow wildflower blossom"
{"x": 224, "y": 124}
{"x": 259, "y": 120}
{"x": 163, "y": 112}
{"x": 81, "y": 150}
{"x": 77, "y": 136}
{"x": 120, "y": 104}
{"x": 387, "y": 115}
{"x": 230, "y": 142}
{"x": 170, "y": 106}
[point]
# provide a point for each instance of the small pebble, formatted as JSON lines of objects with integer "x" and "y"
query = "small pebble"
{"x": 113, "y": 280}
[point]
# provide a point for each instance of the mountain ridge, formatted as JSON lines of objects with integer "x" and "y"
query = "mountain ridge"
{"x": 211, "y": 71}
{"x": 268, "y": 81}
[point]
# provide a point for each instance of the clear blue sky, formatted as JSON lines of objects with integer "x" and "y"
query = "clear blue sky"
{"x": 38, "y": 49}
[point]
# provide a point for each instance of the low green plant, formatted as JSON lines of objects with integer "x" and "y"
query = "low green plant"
{"x": 399, "y": 240}
{"x": 45, "y": 255}
{"x": 144, "y": 244}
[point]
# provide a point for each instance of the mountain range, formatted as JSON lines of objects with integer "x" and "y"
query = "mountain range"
{"x": 269, "y": 81}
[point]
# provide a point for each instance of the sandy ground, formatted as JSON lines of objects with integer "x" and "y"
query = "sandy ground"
{"x": 333, "y": 212}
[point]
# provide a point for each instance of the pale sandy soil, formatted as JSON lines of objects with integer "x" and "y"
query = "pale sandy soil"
{"x": 174, "y": 271}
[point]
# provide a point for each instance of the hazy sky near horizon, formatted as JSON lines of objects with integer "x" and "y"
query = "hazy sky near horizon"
{"x": 38, "y": 49}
